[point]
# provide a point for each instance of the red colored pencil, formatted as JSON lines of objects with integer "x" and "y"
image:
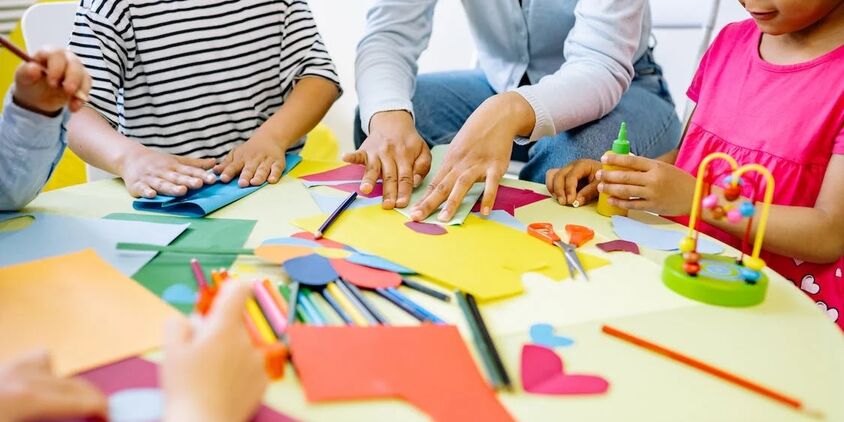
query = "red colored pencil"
{"x": 79, "y": 95}
{"x": 705, "y": 367}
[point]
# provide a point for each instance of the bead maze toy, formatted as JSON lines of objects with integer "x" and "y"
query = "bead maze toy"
{"x": 714, "y": 279}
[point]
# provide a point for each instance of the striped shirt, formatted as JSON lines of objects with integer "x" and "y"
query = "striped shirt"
{"x": 196, "y": 77}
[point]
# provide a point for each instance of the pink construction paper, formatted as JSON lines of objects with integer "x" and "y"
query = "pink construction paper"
{"x": 509, "y": 198}
{"x": 543, "y": 373}
{"x": 347, "y": 172}
{"x": 426, "y": 228}
{"x": 619, "y": 246}
{"x": 377, "y": 191}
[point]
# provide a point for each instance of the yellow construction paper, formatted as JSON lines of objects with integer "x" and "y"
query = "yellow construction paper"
{"x": 79, "y": 308}
{"x": 478, "y": 257}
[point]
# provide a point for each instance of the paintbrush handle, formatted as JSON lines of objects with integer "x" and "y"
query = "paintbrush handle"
{"x": 183, "y": 249}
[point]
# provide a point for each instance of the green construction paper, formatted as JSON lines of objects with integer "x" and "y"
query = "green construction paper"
{"x": 168, "y": 269}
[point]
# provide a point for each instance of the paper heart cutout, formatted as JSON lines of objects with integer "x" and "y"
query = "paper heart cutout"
{"x": 808, "y": 285}
{"x": 543, "y": 334}
{"x": 619, "y": 245}
{"x": 579, "y": 235}
{"x": 179, "y": 294}
{"x": 838, "y": 272}
{"x": 543, "y": 373}
{"x": 832, "y": 313}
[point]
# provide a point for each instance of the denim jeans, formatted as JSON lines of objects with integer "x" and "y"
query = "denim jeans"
{"x": 444, "y": 101}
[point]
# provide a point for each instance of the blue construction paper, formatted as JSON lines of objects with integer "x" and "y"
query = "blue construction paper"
{"x": 373, "y": 261}
{"x": 664, "y": 240}
{"x": 292, "y": 241}
{"x": 311, "y": 270}
{"x": 543, "y": 335}
{"x": 136, "y": 404}
{"x": 179, "y": 294}
{"x": 205, "y": 200}
{"x": 503, "y": 217}
{"x": 52, "y": 235}
{"x": 328, "y": 203}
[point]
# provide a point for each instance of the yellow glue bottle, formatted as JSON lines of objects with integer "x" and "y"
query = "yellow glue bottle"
{"x": 619, "y": 146}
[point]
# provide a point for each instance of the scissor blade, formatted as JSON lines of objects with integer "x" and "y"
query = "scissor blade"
{"x": 573, "y": 261}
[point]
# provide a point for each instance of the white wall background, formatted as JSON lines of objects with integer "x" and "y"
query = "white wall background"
{"x": 342, "y": 24}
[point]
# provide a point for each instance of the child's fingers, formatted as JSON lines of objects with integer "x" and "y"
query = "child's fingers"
{"x": 166, "y": 188}
{"x": 261, "y": 172}
{"x": 549, "y": 180}
{"x": 622, "y": 177}
{"x": 588, "y": 193}
{"x": 28, "y": 74}
{"x": 203, "y": 163}
{"x": 221, "y": 166}
{"x": 36, "y": 361}
{"x": 74, "y": 75}
{"x": 229, "y": 305}
{"x": 177, "y": 332}
{"x": 622, "y": 191}
{"x": 61, "y": 398}
{"x": 231, "y": 171}
{"x": 197, "y": 173}
{"x": 177, "y": 178}
{"x": 580, "y": 170}
{"x": 276, "y": 170}
{"x": 631, "y": 162}
{"x": 56, "y": 65}
{"x": 248, "y": 172}
{"x": 141, "y": 189}
{"x": 631, "y": 204}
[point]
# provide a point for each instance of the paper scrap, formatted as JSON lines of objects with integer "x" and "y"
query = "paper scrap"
{"x": 426, "y": 228}
{"x": 429, "y": 366}
{"x": 543, "y": 335}
{"x": 53, "y": 235}
{"x": 278, "y": 254}
{"x": 311, "y": 270}
{"x": 59, "y": 302}
{"x": 328, "y": 203}
{"x": 664, "y": 240}
{"x": 365, "y": 277}
{"x": 504, "y": 218}
{"x": 509, "y": 198}
{"x": 179, "y": 294}
{"x": 619, "y": 246}
{"x": 373, "y": 261}
{"x": 352, "y": 172}
{"x": 328, "y": 243}
{"x": 543, "y": 373}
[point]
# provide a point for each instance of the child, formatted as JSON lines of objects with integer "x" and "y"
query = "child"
{"x": 210, "y": 373}
{"x": 768, "y": 92}
{"x": 31, "y": 132}
{"x": 178, "y": 85}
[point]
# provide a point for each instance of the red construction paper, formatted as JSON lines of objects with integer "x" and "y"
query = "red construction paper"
{"x": 426, "y": 228}
{"x": 619, "y": 246}
{"x": 579, "y": 235}
{"x": 347, "y": 172}
{"x": 543, "y": 373}
{"x": 509, "y": 198}
{"x": 324, "y": 242}
{"x": 428, "y": 366}
{"x": 365, "y": 277}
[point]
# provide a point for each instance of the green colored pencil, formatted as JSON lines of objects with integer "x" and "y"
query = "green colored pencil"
{"x": 480, "y": 344}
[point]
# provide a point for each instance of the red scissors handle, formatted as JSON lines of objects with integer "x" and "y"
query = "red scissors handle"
{"x": 544, "y": 232}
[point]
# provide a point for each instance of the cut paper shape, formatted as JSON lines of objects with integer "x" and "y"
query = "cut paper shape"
{"x": 55, "y": 303}
{"x": 484, "y": 250}
{"x": 292, "y": 241}
{"x": 311, "y": 270}
{"x": 579, "y": 235}
{"x": 328, "y": 203}
{"x": 429, "y": 366}
{"x": 53, "y": 235}
{"x": 366, "y": 277}
{"x": 437, "y": 157}
{"x": 332, "y": 253}
{"x": 664, "y": 240}
{"x": 169, "y": 268}
{"x": 179, "y": 294}
{"x": 278, "y": 254}
{"x": 426, "y": 228}
{"x": 205, "y": 200}
{"x": 619, "y": 245}
{"x": 373, "y": 261}
{"x": 504, "y": 218}
{"x": 351, "y": 172}
{"x": 136, "y": 405}
{"x": 543, "y": 373}
{"x": 133, "y": 376}
{"x": 328, "y": 243}
{"x": 543, "y": 335}
{"x": 509, "y": 198}
{"x": 15, "y": 223}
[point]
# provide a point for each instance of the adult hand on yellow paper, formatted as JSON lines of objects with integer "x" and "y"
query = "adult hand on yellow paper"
{"x": 147, "y": 172}
{"x": 261, "y": 159}
{"x": 30, "y": 391}
{"x": 480, "y": 152}
{"x": 213, "y": 372}
{"x": 395, "y": 153}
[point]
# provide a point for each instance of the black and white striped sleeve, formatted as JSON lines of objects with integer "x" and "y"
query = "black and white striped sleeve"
{"x": 303, "y": 51}
{"x": 100, "y": 42}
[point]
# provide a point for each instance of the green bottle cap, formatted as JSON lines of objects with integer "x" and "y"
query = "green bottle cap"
{"x": 621, "y": 145}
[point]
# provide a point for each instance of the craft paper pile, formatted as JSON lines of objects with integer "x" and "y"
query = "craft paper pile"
{"x": 81, "y": 309}
{"x": 480, "y": 257}
{"x": 205, "y": 200}
{"x": 428, "y": 366}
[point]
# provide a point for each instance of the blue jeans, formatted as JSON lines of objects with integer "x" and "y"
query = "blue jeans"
{"x": 444, "y": 101}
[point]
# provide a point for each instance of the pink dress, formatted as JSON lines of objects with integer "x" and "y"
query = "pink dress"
{"x": 788, "y": 118}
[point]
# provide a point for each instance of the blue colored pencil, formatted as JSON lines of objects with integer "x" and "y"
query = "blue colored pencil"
{"x": 426, "y": 313}
{"x": 370, "y": 308}
{"x": 386, "y": 294}
{"x": 293, "y": 305}
{"x": 330, "y": 220}
{"x": 310, "y": 308}
{"x": 336, "y": 306}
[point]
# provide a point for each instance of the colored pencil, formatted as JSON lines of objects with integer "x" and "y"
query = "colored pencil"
{"x": 260, "y": 322}
{"x": 496, "y": 357}
{"x": 409, "y": 309}
{"x": 364, "y": 302}
{"x": 293, "y": 303}
{"x": 356, "y": 303}
{"x": 316, "y": 316}
{"x": 198, "y": 274}
{"x": 79, "y": 95}
{"x": 480, "y": 344}
{"x": 252, "y": 329}
{"x": 341, "y": 311}
{"x": 276, "y": 296}
{"x": 344, "y": 302}
{"x": 430, "y": 316}
{"x": 712, "y": 370}
{"x": 271, "y": 311}
{"x": 421, "y": 288}
{"x": 330, "y": 220}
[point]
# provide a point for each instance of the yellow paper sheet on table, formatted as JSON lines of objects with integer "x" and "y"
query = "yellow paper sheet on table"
{"x": 481, "y": 257}
{"x": 80, "y": 309}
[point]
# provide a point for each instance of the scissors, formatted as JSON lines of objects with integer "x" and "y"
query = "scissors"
{"x": 545, "y": 232}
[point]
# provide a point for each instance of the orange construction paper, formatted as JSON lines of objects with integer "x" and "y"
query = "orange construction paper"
{"x": 278, "y": 254}
{"x": 428, "y": 366}
{"x": 85, "y": 312}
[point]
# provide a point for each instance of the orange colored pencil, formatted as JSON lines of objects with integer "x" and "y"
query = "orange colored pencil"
{"x": 705, "y": 367}
{"x": 277, "y": 298}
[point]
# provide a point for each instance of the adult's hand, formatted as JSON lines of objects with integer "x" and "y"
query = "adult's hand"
{"x": 480, "y": 152}
{"x": 395, "y": 153}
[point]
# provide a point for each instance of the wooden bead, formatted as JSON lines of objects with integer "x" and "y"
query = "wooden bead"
{"x": 734, "y": 216}
{"x": 750, "y": 276}
{"x": 710, "y": 201}
{"x": 693, "y": 257}
{"x": 688, "y": 244}
{"x": 753, "y": 263}
{"x": 718, "y": 213}
{"x": 747, "y": 209}
{"x": 691, "y": 268}
{"x": 731, "y": 193}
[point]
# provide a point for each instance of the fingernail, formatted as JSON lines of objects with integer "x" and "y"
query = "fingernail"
{"x": 598, "y": 174}
{"x": 604, "y": 158}
{"x": 366, "y": 188}
{"x": 600, "y": 187}
{"x": 417, "y": 179}
{"x": 416, "y": 215}
{"x": 485, "y": 210}
{"x": 576, "y": 203}
{"x": 561, "y": 200}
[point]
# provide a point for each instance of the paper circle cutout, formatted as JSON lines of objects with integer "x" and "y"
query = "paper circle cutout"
{"x": 278, "y": 254}
{"x": 311, "y": 270}
{"x": 136, "y": 405}
{"x": 365, "y": 277}
{"x": 332, "y": 253}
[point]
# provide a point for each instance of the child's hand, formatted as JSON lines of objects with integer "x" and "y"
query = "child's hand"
{"x": 574, "y": 184}
{"x": 30, "y": 391}
{"x": 213, "y": 372}
{"x": 261, "y": 159}
{"x": 47, "y": 94}
{"x": 147, "y": 172}
{"x": 651, "y": 185}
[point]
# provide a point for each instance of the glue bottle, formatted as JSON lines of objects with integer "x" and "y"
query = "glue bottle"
{"x": 619, "y": 146}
